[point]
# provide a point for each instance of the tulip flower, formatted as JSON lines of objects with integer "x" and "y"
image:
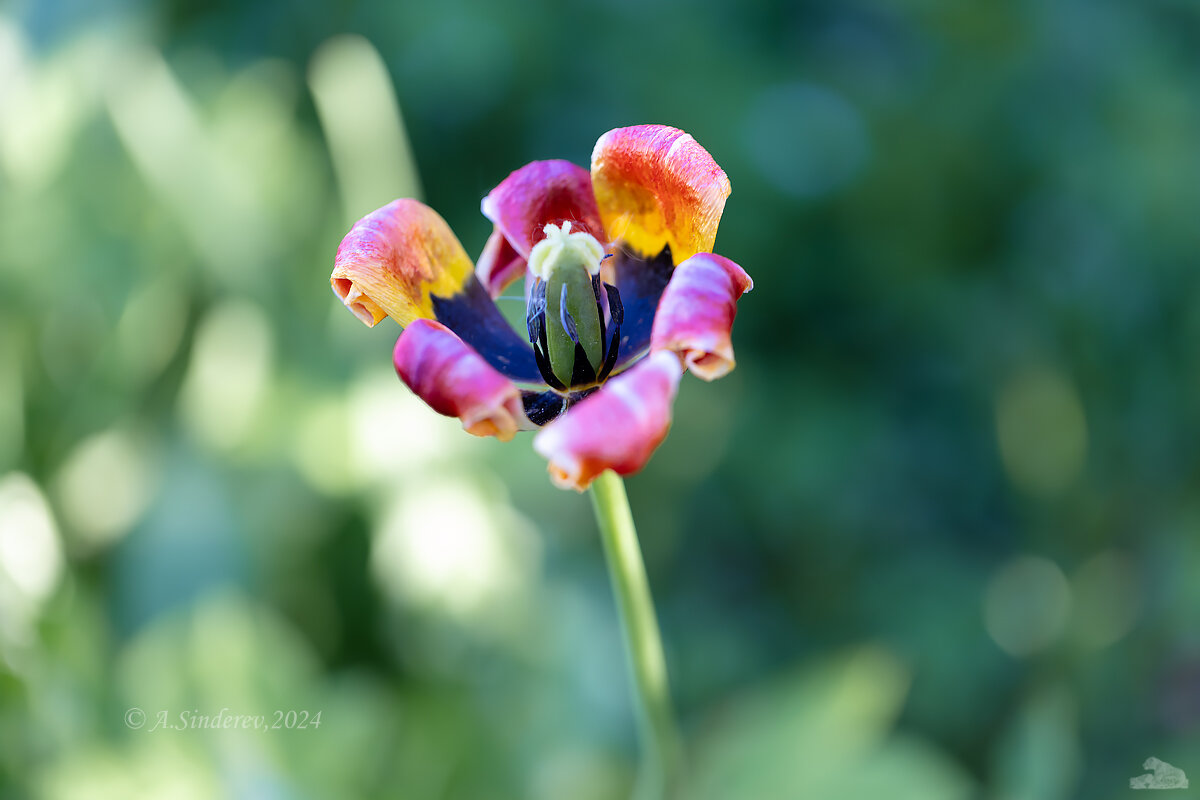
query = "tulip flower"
{"x": 622, "y": 294}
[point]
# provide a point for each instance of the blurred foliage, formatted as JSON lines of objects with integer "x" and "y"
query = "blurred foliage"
{"x": 935, "y": 537}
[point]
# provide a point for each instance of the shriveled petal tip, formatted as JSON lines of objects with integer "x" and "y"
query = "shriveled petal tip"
{"x": 394, "y": 258}
{"x": 457, "y": 382}
{"x": 538, "y": 193}
{"x": 696, "y": 312}
{"x": 655, "y": 186}
{"x": 617, "y": 428}
{"x": 499, "y": 264}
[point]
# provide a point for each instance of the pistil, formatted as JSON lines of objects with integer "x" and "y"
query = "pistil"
{"x": 571, "y": 314}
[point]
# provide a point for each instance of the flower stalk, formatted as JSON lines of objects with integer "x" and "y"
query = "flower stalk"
{"x": 656, "y": 720}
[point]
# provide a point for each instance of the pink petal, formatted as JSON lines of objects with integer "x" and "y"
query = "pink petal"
{"x": 655, "y": 186}
{"x": 499, "y": 264}
{"x": 394, "y": 258}
{"x": 539, "y": 193}
{"x": 616, "y": 428}
{"x": 695, "y": 314}
{"x": 456, "y": 381}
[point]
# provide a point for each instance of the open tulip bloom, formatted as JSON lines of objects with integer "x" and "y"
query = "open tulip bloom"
{"x": 623, "y": 294}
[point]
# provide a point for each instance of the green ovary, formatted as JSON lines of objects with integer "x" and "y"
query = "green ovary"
{"x": 565, "y": 259}
{"x": 581, "y": 305}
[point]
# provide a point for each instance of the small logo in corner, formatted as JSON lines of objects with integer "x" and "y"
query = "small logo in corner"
{"x": 1164, "y": 776}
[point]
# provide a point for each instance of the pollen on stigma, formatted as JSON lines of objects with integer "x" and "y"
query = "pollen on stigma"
{"x": 562, "y": 248}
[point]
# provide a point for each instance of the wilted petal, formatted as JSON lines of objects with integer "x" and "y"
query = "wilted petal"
{"x": 696, "y": 312}
{"x": 499, "y": 264}
{"x": 394, "y": 259}
{"x": 403, "y": 261}
{"x": 616, "y": 428}
{"x": 656, "y": 187}
{"x": 538, "y": 193}
{"x": 456, "y": 381}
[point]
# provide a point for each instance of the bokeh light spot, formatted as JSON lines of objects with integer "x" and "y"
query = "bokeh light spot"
{"x": 321, "y": 448}
{"x": 150, "y": 329}
{"x": 1042, "y": 431}
{"x": 30, "y": 554}
{"x": 40, "y": 110}
{"x": 393, "y": 431}
{"x": 29, "y": 546}
{"x": 1107, "y": 599}
{"x": 104, "y": 487}
{"x": 445, "y": 544}
{"x": 357, "y": 106}
{"x": 1026, "y": 605}
{"x": 228, "y": 373}
{"x": 211, "y": 194}
{"x": 376, "y": 434}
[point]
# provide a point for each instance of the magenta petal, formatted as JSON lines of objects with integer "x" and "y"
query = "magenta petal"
{"x": 695, "y": 314}
{"x": 616, "y": 428}
{"x": 539, "y": 193}
{"x": 499, "y": 264}
{"x": 456, "y": 381}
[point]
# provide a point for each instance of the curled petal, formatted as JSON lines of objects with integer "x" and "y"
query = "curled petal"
{"x": 616, "y": 428}
{"x": 538, "y": 193}
{"x": 695, "y": 314}
{"x": 394, "y": 259}
{"x": 499, "y": 264}
{"x": 655, "y": 188}
{"x": 403, "y": 261}
{"x": 456, "y": 381}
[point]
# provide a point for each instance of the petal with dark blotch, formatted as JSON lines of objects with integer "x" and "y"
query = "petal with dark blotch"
{"x": 499, "y": 264}
{"x": 616, "y": 428}
{"x": 538, "y": 193}
{"x": 457, "y": 382}
{"x": 403, "y": 261}
{"x": 394, "y": 259}
{"x": 641, "y": 282}
{"x": 696, "y": 312}
{"x": 472, "y": 314}
{"x": 655, "y": 188}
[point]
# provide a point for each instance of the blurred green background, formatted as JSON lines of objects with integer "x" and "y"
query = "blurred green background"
{"x": 936, "y": 537}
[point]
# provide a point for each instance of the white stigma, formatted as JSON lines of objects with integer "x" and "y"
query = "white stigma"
{"x": 562, "y": 246}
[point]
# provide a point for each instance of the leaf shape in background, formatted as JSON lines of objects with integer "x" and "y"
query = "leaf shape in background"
{"x": 821, "y": 732}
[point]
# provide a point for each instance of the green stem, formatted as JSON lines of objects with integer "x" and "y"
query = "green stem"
{"x": 660, "y": 740}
